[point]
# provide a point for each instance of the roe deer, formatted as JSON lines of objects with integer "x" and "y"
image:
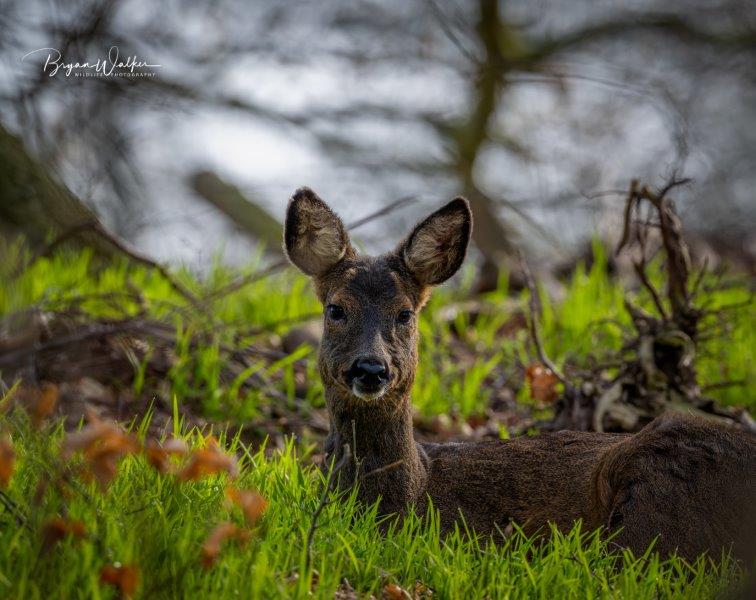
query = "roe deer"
{"x": 691, "y": 483}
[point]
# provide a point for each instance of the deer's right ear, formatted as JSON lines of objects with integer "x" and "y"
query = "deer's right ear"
{"x": 314, "y": 237}
{"x": 436, "y": 247}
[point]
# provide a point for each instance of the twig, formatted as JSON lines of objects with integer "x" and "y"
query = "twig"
{"x": 13, "y": 508}
{"x": 98, "y": 229}
{"x": 641, "y": 272}
{"x": 534, "y": 302}
{"x": 717, "y": 385}
{"x": 381, "y": 212}
{"x": 673, "y": 183}
{"x": 148, "y": 262}
{"x": 246, "y": 280}
{"x": 48, "y": 248}
{"x": 699, "y": 278}
{"x": 630, "y": 203}
{"x": 732, "y": 306}
{"x": 383, "y": 469}
{"x": 324, "y": 499}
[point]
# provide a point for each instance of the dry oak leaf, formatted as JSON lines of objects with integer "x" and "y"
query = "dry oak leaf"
{"x": 211, "y": 547}
{"x": 209, "y": 460}
{"x": 542, "y": 382}
{"x": 7, "y": 458}
{"x": 123, "y": 577}
{"x": 103, "y": 445}
{"x": 57, "y": 528}
{"x": 252, "y": 504}
{"x": 159, "y": 455}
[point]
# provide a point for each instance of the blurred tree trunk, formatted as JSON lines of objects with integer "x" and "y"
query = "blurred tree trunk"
{"x": 32, "y": 202}
{"x": 491, "y": 236}
{"x": 247, "y": 215}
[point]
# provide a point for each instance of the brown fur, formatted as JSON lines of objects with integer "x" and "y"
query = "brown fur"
{"x": 689, "y": 483}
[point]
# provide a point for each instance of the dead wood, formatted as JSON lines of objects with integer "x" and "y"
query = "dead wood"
{"x": 657, "y": 373}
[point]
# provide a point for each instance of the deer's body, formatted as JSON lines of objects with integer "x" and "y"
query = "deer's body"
{"x": 688, "y": 483}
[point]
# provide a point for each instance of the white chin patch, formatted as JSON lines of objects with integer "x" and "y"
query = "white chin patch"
{"x": 367, "y": 395}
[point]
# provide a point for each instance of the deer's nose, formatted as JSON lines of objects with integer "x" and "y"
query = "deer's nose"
{"x": 369, "y": 368}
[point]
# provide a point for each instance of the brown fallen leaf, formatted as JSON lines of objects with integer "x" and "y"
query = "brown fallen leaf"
{"x": 542, "y": 382}
{"x": 87, "y": 438}
{"x": 58, "y": 528}
{"x": 103, "y": 444}
{"x": 392, "y": 591}
{"x": 7, "y": 458}
{"x": 211, "y": 547}
{"x": 252, "y": 504}
{"x": 40, "y": 401}
{"x": 209, "y": 460}
{"x": 45, "y": 405}
{"x": 123, "y": 577}
{"x": 159, "y": 455}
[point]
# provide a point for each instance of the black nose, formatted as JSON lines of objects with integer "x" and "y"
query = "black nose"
{"x": 370, "y": 366}
{"x": 369, "y": 370}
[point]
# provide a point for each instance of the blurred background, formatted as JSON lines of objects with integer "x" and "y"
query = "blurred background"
{"x": 540, "y": 112}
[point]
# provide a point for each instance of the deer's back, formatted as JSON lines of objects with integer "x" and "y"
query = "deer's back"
{"x": 688, "y": 481}
{"x": 691, "y": 483}
{"x": 528, "y": 480}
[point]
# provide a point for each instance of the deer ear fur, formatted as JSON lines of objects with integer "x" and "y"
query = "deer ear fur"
{"x": 315, "y": 239}
{"x": 436, "y": 247}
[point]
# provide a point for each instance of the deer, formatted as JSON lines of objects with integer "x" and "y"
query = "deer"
{"x": 685, "y": 484}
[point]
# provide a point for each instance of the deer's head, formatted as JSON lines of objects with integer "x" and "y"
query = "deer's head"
{"x": 368, "y": 353}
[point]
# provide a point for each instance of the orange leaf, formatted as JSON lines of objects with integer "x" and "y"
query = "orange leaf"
{"x": 85, "y": 437}
{"x": 7, "y": 459}
{"x": 57, "y": 528}
{"x": 123, "y": 577}
{"x": 391, "y": 591}
{"x": 46, "y": 402}
{"x": 159, "y": 456}
{"x": 252, "y": 504}
{"x": 103, "y": 445}
{"x": 542, "y": 382}
{"x": 209, "y": 461}
{"x": 212, "y": 546}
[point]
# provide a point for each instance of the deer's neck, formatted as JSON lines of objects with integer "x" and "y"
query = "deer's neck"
{"x": 387, "y": 462}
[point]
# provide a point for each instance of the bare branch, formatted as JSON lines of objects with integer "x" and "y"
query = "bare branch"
{"x": 534, "y": 302}
{"x": 97, "y": 228}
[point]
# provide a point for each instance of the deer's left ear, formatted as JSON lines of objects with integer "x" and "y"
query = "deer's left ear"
{"x": 436, "y": 248}
{"x": 315, "y": 239}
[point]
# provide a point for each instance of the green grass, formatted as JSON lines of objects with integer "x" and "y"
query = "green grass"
{"x": 586, "y": 323}
{"x": 158, "y": 523}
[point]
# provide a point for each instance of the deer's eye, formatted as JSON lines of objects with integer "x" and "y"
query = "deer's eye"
{"x": 404, "y": 317}
{"x": 335, "y": 312}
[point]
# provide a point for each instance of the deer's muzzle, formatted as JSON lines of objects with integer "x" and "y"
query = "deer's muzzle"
{"x": 368, "y": 377}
